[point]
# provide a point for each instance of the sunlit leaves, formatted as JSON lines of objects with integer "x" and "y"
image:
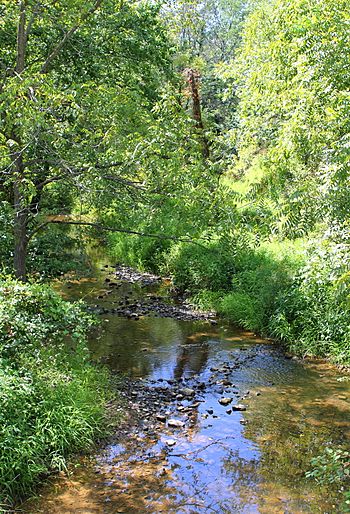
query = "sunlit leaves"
{"x": 294, "y": 79}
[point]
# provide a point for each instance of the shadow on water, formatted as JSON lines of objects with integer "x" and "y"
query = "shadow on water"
{"x": 220, "y": 460}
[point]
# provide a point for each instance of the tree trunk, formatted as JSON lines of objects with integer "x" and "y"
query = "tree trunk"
{"x": 197, "y": 111}
{"x": 20, "y": 224}
{"x": 20, "y": 210}
{"x": 21, "y": 245}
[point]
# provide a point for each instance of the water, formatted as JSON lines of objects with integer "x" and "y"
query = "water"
{"x": 251, "y": 461}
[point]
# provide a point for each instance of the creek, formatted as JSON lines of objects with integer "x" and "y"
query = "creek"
{"x": 223, "y": 421}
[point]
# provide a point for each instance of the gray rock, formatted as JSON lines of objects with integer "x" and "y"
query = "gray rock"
{"x": 186, "y": 391}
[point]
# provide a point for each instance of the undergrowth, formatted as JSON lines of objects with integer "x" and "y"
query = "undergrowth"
{"x": 52, "y": 399}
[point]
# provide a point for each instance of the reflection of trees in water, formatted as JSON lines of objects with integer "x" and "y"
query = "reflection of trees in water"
{"x": 139, "y": 478}
{"x": 123, "y": 341}
{"x": 191, "y": 357}
{"x": 145, "y": 477}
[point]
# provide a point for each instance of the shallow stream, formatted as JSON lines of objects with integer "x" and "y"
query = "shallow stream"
{"x": 189, "y": 453}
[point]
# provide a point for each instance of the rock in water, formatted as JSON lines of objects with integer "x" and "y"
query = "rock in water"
{"x": 176, "y": 423}
{"x": 186, "y": 391}
{"x": 225, "y": 401}
{"x": 239, "y": 406}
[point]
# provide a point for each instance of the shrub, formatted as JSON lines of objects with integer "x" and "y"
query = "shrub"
{"x": 313, "y": 316}
{"x": 196, "y": 267}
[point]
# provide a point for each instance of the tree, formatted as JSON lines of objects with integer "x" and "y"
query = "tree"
{"x": 78, "y": 84}
{"x": 293, "y": 81}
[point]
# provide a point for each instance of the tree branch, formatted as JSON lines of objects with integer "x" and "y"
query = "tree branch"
{"x": 68, "y": 34}
{"x": 112, "y": 229}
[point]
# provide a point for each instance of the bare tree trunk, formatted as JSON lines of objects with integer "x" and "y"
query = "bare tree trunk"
{"x": 197, "y": 110}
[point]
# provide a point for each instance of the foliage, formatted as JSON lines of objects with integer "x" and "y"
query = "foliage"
{"x": 56, "y": 252}
{"x": 52, "y": 399}
{"x": 333, "y": 467}
{"x": 313, "y": 316}
{"x": 293, "y": 89}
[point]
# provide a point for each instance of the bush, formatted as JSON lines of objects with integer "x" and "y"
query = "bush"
{"x": 243, "y": 310}
{"x": 52, "y": 400}
{"x": 195, "y": 268}
{"x": 313, "y": 316}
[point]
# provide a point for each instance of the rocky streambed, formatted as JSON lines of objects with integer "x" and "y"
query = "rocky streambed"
{"x": 133, "y": 305}
{"x": 218, "y": 420}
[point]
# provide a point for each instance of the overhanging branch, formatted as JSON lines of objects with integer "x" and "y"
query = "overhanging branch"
{"x": 98, "y": 226}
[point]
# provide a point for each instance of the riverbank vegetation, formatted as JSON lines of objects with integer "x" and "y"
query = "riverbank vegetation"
{"x": 52, "y": 399}
{"x": 205, "y": 140}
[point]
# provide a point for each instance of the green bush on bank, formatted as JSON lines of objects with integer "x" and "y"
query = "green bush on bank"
{"x": 52, "y": 400}
{"x": 313, "y": 316}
